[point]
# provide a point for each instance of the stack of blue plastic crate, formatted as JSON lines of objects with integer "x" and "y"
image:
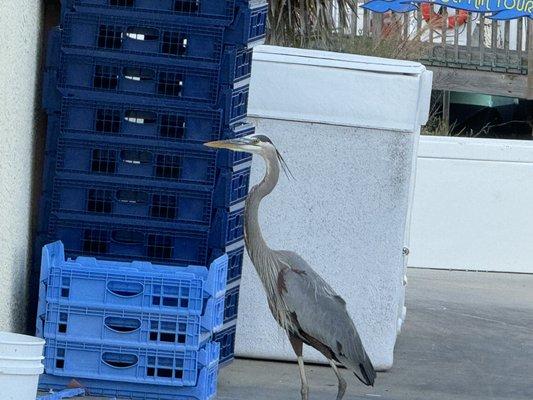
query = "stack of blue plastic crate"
{"x": 130, "y": 330}
{"x": 132, "y": 90}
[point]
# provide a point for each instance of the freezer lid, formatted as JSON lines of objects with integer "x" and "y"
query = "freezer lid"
{"x": 339, "y": 89}
{"x": 336, "y": 60}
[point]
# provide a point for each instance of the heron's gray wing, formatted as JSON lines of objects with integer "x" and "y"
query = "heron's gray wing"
{"x": 321, "y": 315}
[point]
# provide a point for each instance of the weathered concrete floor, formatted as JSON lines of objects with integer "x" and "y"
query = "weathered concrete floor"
{"x": 468, "y": 335}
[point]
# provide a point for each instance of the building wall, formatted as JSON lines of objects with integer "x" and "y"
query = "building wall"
{"x": 20, "y": 42}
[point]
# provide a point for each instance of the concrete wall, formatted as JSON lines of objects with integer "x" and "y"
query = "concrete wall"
{"x": 20, "y": 40}
{"x": 347, "y": 210}
{"x": 472, "y": 207}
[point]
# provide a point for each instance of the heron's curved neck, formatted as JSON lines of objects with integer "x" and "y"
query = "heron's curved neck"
{"x": 255, "y": 243}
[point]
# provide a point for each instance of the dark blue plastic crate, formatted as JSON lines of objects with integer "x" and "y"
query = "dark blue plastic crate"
{"x": 128, "y": 364}
{"x": 235, "y": 260}
{"x": 227, "y": 227}
{"x": 234, "y": 100}
{"x": 131, "y": 328}
{"x": 235, "y": 255}
{"x": 124, "y": 237}
{"x": 96, "y": 202}
{"x": 207, "y": 12}
{"x": 165, "y": 124}
{"x": 135, "y": 160}
{"x": 249, "y": 26}
{"x": 48, "y": 168}
{"x": 231, "y": 304}
{"x": 205, "y": 388}
{"x": 135, "y": 37}
{"x": 173, "y": 126}
{"x": 127, "y": 241}
{"x": 135, "y": 286}
{"x": 227, "y": 158}
{"x": 176, "y": 85}
{"x": 231, "y": 186}
{"x": 226, "y": 339}
{"x": 236, "y": 64}
{"x": 51, "y": 98}
{"x": 104, "y": 80}
{"x": 53, "y": 48}
{"x": 117, "y": 199}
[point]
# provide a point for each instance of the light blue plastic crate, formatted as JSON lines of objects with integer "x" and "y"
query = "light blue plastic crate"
{"x": 129, "y": 328}
{"x": 128, "y": 364}
{"x": 129, "y": 286}
{"x": 205, "y": 389}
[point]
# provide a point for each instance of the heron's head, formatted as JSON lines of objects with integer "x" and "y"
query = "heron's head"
{"x": 255, "y": 144}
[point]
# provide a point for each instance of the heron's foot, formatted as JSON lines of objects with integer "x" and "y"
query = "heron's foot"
{"x": 305, "y": 387}
{"x": 342, "y": 388}
{"x": 342, "y": 382}
{"x": 305, "y": 392}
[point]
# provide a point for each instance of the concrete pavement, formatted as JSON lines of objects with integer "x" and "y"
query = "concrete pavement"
{"x": 468, "y": 336}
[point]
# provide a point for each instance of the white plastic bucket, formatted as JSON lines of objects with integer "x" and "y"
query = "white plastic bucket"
{"x": 19, "y": 383}
{"x": 17, "y": 345}
{"x": 20, "y": 362}
{"x": 20, "y": 366}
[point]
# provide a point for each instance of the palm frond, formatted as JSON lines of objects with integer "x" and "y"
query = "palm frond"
{"x": 307, "y": 21}
{"x": 327, "y": 25}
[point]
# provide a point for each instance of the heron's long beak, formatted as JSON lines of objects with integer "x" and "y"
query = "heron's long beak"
{"x": 220, "y": 144}
{"x": 230, "y": 144}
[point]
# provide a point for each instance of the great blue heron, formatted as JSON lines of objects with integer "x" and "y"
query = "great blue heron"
{"x": 302, "y": 303}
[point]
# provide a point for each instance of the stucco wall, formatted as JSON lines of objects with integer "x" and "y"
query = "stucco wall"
{"x": 20, "y": 41}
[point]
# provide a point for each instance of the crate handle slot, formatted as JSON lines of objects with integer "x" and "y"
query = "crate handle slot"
{"x": 186, "y": 6}
{"x": 122, "y": 3}
{"x": 125, "y": 289}
{"x": 140, "y": 117}
{"x": 118, "y": 360}
{"x": 128, "y": 237}
{"x": 122, "y": 325}
{"x": 142, "y": 34}
{"x": 136, "y": 156}
{"x": 132, "y": 196}
{"x": 138, "y": 74}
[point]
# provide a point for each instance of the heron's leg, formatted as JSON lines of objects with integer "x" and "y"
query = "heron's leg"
{"x": 305, "y": 386}
{"x": 297, "y": 346}
{"x": 342, "y": 382}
